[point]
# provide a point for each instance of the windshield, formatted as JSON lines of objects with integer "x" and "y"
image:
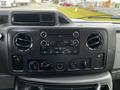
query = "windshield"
{"x": 95, "y": 10}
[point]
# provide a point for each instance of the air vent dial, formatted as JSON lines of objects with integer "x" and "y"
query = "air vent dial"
{"x": 23, "y": 41}
{"x": 94, "y": 41}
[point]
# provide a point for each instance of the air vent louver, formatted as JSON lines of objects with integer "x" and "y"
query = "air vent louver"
{"x": 23, "y": 42}
{"x": 94, "y": 41}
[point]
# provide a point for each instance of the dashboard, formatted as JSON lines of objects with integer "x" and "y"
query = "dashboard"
{"x": 57, "y": 50}
{"x": 53, "y": 49}
{"x": 48, "y": 44}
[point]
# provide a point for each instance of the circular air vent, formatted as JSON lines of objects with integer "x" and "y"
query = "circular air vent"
{"x": 94, "y": 41}
{"x": 23, "y": 42}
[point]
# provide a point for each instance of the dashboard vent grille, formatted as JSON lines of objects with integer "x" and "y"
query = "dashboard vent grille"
{"x": 23, "y": 42}
{"x": 35, "y": 19}
{"x": 94, "y": 40}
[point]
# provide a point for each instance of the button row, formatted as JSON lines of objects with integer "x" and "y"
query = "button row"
{"x": 59, "y": 66}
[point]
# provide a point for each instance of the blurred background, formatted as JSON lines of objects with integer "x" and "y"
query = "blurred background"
{"x": 74, "y": 9}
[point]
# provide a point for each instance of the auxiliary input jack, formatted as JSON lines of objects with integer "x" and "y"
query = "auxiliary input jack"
{"x": 60, "y": 66}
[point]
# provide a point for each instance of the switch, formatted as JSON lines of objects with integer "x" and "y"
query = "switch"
{"x": 74, "y": 65}
{"x": 46, "y": 66}
{"x": 85, "y": 64}
{"x": 99, "y": 62}
{"x": 17, "y": 62}
{"x": 33, "y": 65}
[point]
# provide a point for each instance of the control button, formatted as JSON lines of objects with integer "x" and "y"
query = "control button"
{"x": 43, "y": 34}
{"x": 60, "y": 66}
{"x": 81, "y": 66}
{"x": 100, "y": 56}
{"x": 17, "y": 62}
{"x": 1, "y": 36}
{"x": 85, "y": 64}
{"x": 75, "y": 42}
{"x": 43, "y": 43}
{"x": 74, "y": 65}
{"x": 76, "y": 34}
{"x": 99, "y": 62}
{"x": 46, "y": 66}
{"x": 52, "y": 43}
{"x": 33, "y": 65}
{"x": 66, "y": 51}
{"x": 75, "y": 52}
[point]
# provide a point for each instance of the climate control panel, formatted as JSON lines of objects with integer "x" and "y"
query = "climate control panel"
{"x": 59, "y": 43}
{"x": 57, "y": 50}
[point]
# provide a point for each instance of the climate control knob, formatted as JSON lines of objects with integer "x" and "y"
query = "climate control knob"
{"x": 43, "y": 34}
{"x": 76, "y": 34}
{"x": 33, "y": 65}
{"x": 43, "y": 43}
{"x": 75, "y": 42}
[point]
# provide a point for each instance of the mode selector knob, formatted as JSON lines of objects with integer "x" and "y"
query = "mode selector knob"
{"x": 43, "y": 34}
{"x": 75, "y": 42}
{"x": 43, "y": 43}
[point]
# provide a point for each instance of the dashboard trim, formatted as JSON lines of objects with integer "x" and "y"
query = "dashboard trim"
{"x": 100, "y": 79}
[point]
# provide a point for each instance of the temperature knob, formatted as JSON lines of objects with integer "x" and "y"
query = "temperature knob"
{"x": 75, "y": 42}
{"x": 43, "y": 43}
{"x": 43, "y": 34}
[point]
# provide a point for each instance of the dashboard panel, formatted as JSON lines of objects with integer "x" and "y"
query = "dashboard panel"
{"x": 62, "y": 49}
{"x": 58, "y": 47}
{"x": 57, "y": 50}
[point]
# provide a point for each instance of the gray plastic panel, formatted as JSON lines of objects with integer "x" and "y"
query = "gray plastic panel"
{"x": 117, "y": 53}
{"x": 100, "y": 79}
{"x": 6, "y": 82}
